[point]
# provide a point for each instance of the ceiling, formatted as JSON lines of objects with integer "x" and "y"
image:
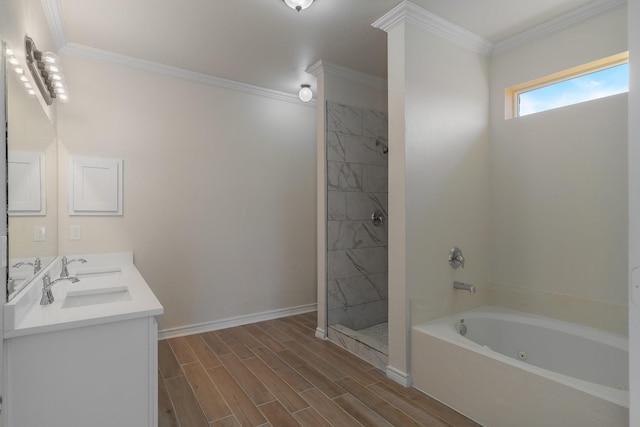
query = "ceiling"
{"x": 267, "y": 44}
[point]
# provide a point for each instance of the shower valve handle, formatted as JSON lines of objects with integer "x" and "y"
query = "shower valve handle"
{"x": 456, "y": 259}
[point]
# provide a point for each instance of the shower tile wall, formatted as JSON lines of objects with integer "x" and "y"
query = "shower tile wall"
{"x": 357, "y": 185}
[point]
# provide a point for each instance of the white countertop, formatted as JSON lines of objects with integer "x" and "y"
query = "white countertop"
{"x": 25, "y": 316}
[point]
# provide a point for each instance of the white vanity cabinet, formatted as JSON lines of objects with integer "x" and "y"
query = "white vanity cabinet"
{"x": 88, "y": 359}
{"x": 102, "y": 375}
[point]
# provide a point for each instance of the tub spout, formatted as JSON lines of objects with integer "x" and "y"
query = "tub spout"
{"x": 464, "y": 287}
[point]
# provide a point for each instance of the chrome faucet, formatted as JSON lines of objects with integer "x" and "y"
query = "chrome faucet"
{"x": 47, "y": 284}
{"x": 464, "y": 287}
{"x": 64, "y": 272}
{"x": 36, "y": 264}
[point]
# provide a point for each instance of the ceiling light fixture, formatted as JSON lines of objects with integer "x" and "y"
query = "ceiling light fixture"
{"x": 298, "y": 4}
{"x": 305, "y": 93}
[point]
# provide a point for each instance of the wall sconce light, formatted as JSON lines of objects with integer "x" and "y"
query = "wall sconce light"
{"x": 46, "y": 70}
{"x": 15, "y": 64}
{"x": 305, "y": 93}
{"x": 298, "y": 4}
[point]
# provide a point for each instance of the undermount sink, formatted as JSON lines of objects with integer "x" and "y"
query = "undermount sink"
{"x": 87, "y": 297}
{"x": 97, "y": 272}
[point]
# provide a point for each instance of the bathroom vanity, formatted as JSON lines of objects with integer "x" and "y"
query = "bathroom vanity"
{"x": 90, "y": 357}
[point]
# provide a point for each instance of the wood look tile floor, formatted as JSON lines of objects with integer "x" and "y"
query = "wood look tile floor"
{"x": 276, "y": 373}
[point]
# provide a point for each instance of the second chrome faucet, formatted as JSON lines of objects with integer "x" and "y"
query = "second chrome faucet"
{"x": 64, "y": 272}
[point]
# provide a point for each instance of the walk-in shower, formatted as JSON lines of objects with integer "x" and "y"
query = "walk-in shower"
{"x": 357, "y": 221}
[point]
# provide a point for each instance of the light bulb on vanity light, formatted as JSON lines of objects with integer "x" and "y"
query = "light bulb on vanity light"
{"x": 298, "y": 4}
{"x": 50, "y": 58}
{"x": 305, "y": 93}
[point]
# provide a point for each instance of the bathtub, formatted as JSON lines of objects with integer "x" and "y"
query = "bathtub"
{"x": 513, "y": 368}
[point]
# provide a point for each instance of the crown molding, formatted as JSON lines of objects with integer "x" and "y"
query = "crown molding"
{"x": 561, "y": 22}
{"x": 53, "y": 13}
{"x": 430, "y": 22}
{"x": 167, "y": 70}
{"x": 347, "y": 73}
{"x": 409, "y": 12}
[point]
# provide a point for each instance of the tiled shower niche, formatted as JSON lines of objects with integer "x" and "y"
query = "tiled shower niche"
{"x": 357, "y": 168}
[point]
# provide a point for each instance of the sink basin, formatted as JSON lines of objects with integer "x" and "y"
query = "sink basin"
{"x": 97, "y": 272}
{"x": 87, "y": 297}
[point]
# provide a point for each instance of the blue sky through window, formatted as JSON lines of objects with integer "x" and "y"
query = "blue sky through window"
{"x": 599, "y": 84}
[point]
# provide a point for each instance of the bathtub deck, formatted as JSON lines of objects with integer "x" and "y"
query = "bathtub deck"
{"x": 277, "y": 373}
{"x": 498, "y": 390}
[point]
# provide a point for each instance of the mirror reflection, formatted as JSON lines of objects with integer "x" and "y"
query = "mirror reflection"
{"x": 32, "y": 185}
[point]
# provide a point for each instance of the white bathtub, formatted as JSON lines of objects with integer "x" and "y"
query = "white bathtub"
{"x": 514, "y": 368}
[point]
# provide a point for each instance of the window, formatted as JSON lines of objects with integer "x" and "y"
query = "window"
{"x": 599, "y": 79}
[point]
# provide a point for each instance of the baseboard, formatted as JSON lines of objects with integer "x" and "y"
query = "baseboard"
{"x": 402, "y": 378}
{"x": 234, "y": 321}
{"x": 321, "y": 333}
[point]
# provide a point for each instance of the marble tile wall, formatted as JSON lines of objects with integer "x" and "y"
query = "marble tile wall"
{"x": 357, "y": 185}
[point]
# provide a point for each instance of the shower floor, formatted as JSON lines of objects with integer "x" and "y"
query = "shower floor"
{"x": 379, "y": 332}
{"x": 372, "y": 343}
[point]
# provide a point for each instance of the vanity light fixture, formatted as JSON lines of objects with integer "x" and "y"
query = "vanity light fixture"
{"x": 15, "y": 64}
{"x": 46, "y": 70}
{"x": 305, "y": 93}
{"x": 298, "y": 4}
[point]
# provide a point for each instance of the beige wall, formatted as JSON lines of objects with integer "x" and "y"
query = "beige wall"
{"x": 347, "y": 91}
{"x": 219, "y": 189}
{"x": 558, "y": 185}
{"x": 438, "y": 178}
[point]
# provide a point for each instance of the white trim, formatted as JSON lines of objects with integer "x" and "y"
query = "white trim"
{"x": 32, "y": 199}
{"x": 155, "y": 67}
{"x": 429, "y": 21}
{"x": 107, "y": 204}
{"x": 56, "y": 24}
{"x": 409, "y": 12}
{"x": 234, "y": 321}
{"x": 321, "y": 333}
{"x": 347, "y": 73}
{"x": 559, "y": 23}
{"x": 401, "y": 377}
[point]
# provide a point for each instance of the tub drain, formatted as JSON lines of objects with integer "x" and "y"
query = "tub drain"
{"x": 522, "y": 355}
{"x": 462, "y": 328}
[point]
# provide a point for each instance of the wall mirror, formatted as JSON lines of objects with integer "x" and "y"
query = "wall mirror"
{"x": 31, "y": 181}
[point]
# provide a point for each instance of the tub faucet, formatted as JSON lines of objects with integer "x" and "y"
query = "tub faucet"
{"x": 47, "y": 284}
{"x": 464, "y": 287}
{"x": 64, "y": 272}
